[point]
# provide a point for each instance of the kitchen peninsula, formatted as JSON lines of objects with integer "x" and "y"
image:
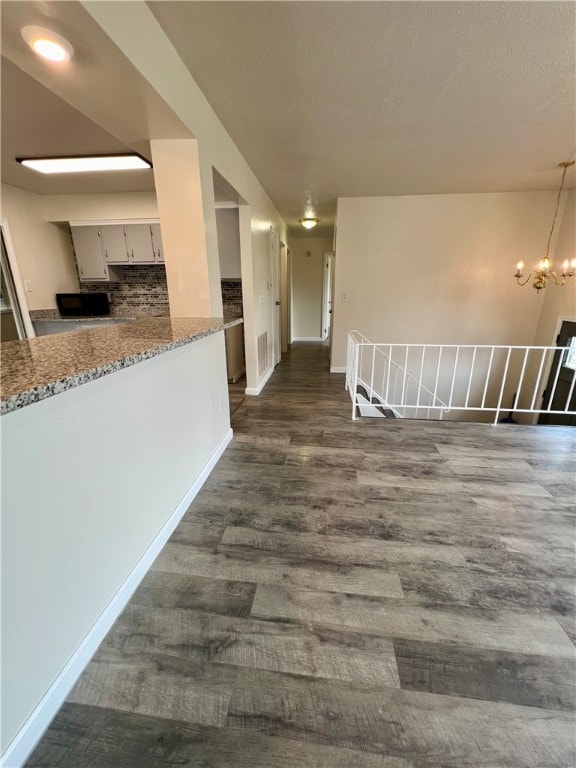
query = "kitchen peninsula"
{"x": 39, "y": 368}
{"x": 107, "y": 436}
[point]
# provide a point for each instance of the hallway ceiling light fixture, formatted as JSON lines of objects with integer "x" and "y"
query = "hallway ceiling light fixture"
{"x": 47, "y": 44}
{"x": 544, "y": 271}
{"x": 309, "y": 222}
{"x": 86, "y": 164}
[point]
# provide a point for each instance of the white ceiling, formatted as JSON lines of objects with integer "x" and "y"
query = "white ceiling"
{"x": 329, "y": 99}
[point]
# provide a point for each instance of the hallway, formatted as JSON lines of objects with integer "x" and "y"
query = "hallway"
{"x": 368, "y": 594}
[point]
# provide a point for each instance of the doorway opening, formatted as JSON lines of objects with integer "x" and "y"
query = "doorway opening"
{"x": 327, "y": 281}
{"x": 275, "y": 298}
{"x": 560, "y": 391}
{"x": 227, "y": 205}
{"x": 13, "y": 324}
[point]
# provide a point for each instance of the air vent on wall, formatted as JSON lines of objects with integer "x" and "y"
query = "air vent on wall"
{"x": 262, "y": 352}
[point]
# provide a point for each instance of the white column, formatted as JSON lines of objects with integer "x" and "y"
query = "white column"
{"x": 178, "y": 184}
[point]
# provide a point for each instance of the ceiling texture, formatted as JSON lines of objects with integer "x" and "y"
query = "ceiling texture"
{"x": 340, "y": 99}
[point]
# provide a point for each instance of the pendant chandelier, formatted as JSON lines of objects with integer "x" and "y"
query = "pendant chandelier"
{"x": 544, "y": 272}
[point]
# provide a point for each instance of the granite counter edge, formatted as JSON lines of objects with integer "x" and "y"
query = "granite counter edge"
{"x": 37, "y": 394}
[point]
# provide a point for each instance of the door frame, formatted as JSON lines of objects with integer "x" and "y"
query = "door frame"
{"x": 275, "y": 296}
{"x": 17, "y": 281}
{"x": 327, "y": 270}
{"x": 284, "y": 299}
{"x": 558, "y": 327}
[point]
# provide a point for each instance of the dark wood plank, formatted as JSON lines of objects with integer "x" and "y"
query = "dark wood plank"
{"x": 462, "y": 625}
{"x": 156, "y": 684}
{"x": 337, "y": 549}
{"x": 279, "y": 571}
{"x": 450, "y": 730}
{"x": 535, "y": 681}
{"x": 145, "y": 634}
{"x": 173, "y": 590}
{"x": 91, "y": 737}
{"x": 453, "y": 585}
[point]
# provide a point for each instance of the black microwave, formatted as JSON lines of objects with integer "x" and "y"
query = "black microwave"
{"x": 83, "y": 304}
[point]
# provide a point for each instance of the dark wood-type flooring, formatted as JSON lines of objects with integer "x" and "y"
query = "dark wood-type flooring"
{"x": 370, "y": 594}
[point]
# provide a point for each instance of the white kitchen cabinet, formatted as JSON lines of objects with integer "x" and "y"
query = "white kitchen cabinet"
{"x": 89, "y": 255}
{"x": 157, "y": 243}
{"x": 139, "y": 244}
{"x": 114, "y": 245}
{"x": 99, "y": 245}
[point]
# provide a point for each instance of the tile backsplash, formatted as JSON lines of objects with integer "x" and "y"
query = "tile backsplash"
{"x": 232, "y": 294}
{"x": 142, "y": 288}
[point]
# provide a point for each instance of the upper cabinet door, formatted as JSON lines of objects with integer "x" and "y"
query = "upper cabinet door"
{"x": 157, "y": 242}
{"x": 114, "y": 244}
{"x": 89, "y": 256}
{"x": 140, "y": 246}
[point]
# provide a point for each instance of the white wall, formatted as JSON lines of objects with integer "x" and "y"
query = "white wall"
{"x": 307, "y": 273}
{"x": 438, "y": 268}
{"x": 111, "y": 462}
{"x": 43, "y": 251}
{"x": 228, "y": 230}
{"x": 116, "y": 205}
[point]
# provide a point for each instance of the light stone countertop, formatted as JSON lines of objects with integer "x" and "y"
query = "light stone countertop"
{"x": 35, "y": 369}
{"x": 123, "y": 313}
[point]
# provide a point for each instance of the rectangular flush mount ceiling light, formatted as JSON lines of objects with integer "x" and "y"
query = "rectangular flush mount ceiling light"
{"x": 87, "y": 164}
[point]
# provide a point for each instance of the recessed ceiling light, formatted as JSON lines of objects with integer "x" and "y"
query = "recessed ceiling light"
{"x": 47, "y": 44}
{"x": 309, "y": 222}
{"x": 88, "y": 164}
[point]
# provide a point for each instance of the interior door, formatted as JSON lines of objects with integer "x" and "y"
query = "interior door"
{"x": 284, "y": 297}
{"x": 276, "y": 303}
{"x": 560, "y": 389}
{"x": 327, "y": 295}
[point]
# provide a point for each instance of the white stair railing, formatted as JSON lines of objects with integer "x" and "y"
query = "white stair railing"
{"x": 429, "y": 380}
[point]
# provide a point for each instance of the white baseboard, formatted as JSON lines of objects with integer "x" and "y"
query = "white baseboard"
{"x": 238, "y": 376}
{"x": 27, "y": 737}
{"x": 338, "y": 369}
{"x": 260, "y": 387}
{"x": 307, "y": 338}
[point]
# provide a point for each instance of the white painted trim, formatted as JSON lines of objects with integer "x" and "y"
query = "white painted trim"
{"x": 560, "y": 320}
{"x": 106, "y": 222}
{"x": 19, "y": 749}
{"x": 306, "y": 338}
{"x": 227, "y": 204}
{"x": 238, "y": 376}
{"x": 261, "y": 385}
{"x": 338, "y": 369}
{"x": 17, "y": 279}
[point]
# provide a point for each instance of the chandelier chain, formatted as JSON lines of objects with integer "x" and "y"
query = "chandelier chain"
{"x": 566, "y": 165}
